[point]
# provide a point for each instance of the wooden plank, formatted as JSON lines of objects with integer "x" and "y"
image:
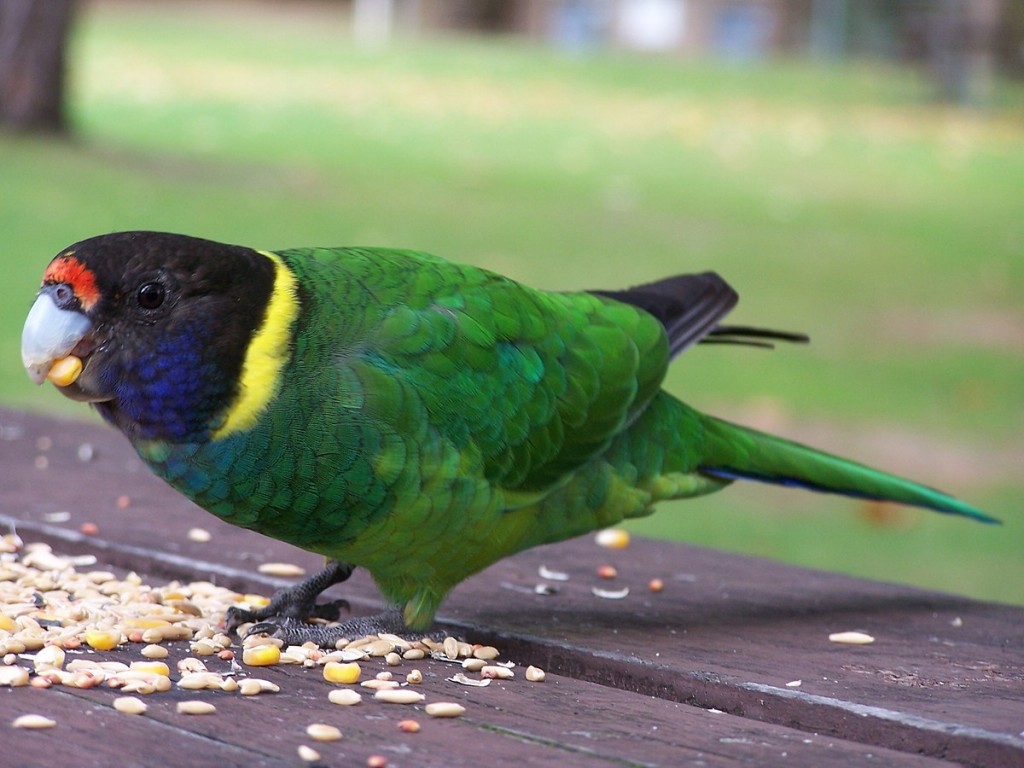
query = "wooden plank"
{"x": 727, "y": 633}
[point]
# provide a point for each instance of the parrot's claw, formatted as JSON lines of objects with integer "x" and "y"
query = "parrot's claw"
{"x": 296, "y": 632}
{"x": 297, "y": 603}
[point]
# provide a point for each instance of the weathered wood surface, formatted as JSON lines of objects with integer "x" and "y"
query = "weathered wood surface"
{"x": 694, "y": 675}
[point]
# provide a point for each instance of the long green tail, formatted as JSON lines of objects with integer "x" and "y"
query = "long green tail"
{"x": 735, "y": 452}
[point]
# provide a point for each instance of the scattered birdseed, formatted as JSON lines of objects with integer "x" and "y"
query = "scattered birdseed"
{"x": 89, "y": 529}
{"x": 251, "y": 686}
{"x": 261, "y": 656}
{"x": 346, "y": 697}
{"x": 607, "y": 572}
{"x": 130, "y": 705}
{"x": 345, "y": 673}
{"x": 957, "y": 622}
{"x": 610, "y": 594}
{"x": 409, "y": 726}
{"x": 461, "y": 679}
{"x": 283, "y": 570}
{"x": 57, "y": 517}
{"x": 102, "y": 640}
{"x": 86, "y": 452}
{"x": 444, "y": 709}
{"x": 546, "y": 573}
{"x": 486, "y": 652}
{"x": 399, "y": 696}
{"x": 194, "y": 707}
{"x": 656, "y": 585}
{"x": 308, "y": 754}
{"x": 612, "y": 538}
{"x": 199, "y": 535}
{"x": 794, "y": 683}
{"x": 33, "y": 722}
{"x": 451, "y": 648}
{"x": 376, "y": 761}
{"x": 535, "y": 674}
{"x": 153, "y": 651}
{"x": 123, "y": 502}
{"x": 14, "y": 676}
{"x": 497, "y": 673}
{"x": 473, "y": 665}
{"x": 379, "y": 685}
{"x": 415, "y": 677}
{"x": 851, "y": 638}
{"x": 322, "y": 732}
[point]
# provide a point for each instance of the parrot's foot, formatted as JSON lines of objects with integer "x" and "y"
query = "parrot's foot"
{"x": 296, "y": 631}
{"x": 298, "y": 603}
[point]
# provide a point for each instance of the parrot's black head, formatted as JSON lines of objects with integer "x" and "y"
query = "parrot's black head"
{"x": 152, "y": 328}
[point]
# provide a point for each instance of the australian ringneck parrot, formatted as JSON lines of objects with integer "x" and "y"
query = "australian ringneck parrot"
{"x": 395, "y": 411}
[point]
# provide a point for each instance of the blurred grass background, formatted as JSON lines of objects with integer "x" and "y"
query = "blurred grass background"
{"x": 839, "y": 200}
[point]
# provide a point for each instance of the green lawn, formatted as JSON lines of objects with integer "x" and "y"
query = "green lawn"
{"x": 839, "y": 201}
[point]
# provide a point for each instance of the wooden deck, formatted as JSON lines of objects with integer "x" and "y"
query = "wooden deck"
{"x": 700, "y": 674}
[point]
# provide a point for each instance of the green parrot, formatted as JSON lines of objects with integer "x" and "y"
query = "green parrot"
{"x": 394, "y": 411}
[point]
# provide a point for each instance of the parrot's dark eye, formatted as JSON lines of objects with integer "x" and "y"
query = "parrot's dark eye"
{"x": 64, "y": 295}
{"x": 151, "y": 295}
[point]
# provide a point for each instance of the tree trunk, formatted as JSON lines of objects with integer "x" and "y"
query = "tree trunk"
{"x": 33, "y": 37}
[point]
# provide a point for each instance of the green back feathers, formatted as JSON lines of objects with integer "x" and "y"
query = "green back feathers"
{"x": 532, "y": 384}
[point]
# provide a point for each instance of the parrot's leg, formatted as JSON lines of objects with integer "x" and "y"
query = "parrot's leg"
{"x": 297, "y": 603}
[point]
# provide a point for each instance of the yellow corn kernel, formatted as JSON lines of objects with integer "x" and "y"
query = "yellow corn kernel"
{"x": 613, "y": 538}
{"x": 261, "y": 656}
{"x": 7, "y": 623}
{"x": 65, "y": 371}
{"x": 342, "y": 672}
{"x": 102, "y": 640}
{"x": 154, "y": 667}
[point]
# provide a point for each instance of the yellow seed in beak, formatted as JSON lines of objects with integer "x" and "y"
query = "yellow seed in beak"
{"x": 65, "y": 371}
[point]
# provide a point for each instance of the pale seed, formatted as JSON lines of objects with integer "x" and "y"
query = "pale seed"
{"x": 535, "y": 674}
{"x": 199, "y": 535}
{"x": 497, "y": 673}
{"x": 33, "y": 722}
{"x": 399, "y": 696}
{"x": 485, "y": 652}
{"x": 444, "y": 709}
{"x": 129, "y": 705}
{"x": 473, "y": 665}
{"x": 50, "y": 656}
{"x": 379, "y": 685}
{"x": 851, "y": 638}
{"x": 451, "y": 648}
{"x": 413, "y": 654}
{"x": 308, "y": 754}
{"x": 195, "y": 708}
{"x": 408, "y": 726}
{"x": 415, "y": 677}
{"x": 282, "y": 569}
{"x": 607, "y": 572}
{"x": 346, "y": 697}
{"x": 14, "y": 676}
{"x": 393, "y": 659}
{"x": 153, "y": 651}
{"x": 322, "y": 732}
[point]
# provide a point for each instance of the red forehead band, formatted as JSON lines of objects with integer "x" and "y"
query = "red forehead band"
{"x": 68, "y": 269}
